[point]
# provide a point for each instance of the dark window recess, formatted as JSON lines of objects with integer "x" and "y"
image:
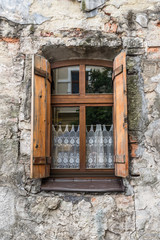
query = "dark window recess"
{"x": 75, "y": 81}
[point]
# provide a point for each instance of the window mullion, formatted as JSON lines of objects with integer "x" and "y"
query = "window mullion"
{"x": 82, "y": 80}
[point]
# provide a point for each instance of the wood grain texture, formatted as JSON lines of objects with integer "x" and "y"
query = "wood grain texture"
{"x": 119, "y": 117}
{"x": 81, "y": 99}
{"x": 82, "y": 75}
{"x": 41, "y": 118}
{"x": 75, "y": 62}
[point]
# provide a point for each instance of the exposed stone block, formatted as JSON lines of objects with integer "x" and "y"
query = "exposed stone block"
{"x": 133, "y": 150}
{"x": 142, "y": 20}
{"x": 153, "y": 52}
{"x": 88, "y": 5}
{"x": 153, "y": 35}
{"x": 7, "y": 212}
{"x": 134, "y": 102}
{"x": 25, "y": 148}
{"x": 19, "y": 12}
{"x": 112, "y": 236}
{"x": 150, "y": 69}
{"x": 52, "y": 203}
{"x": 133, "y": 65}
{"x": 92, "y": 13}
{"x": 142, "y": 219}
{"x": 133, "y": 42}
{"x": 135, "y": 51}
{"x": 156, "y": 136}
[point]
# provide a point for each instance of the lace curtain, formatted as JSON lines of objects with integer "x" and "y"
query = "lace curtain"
{"x": 99, "y": 147}
{"x": 65, "y": 147}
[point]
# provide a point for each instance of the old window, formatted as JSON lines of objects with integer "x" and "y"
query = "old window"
{"x": 80, "y": 131}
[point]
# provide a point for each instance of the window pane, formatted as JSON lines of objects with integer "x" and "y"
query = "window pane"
{"x": 65, "y": 137}
{"x": 66, "y": 80}
{"x": 98, "y": 79}
{"x": 99, "y": 137}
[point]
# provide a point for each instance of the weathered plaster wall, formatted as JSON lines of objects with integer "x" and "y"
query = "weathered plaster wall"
{"x": 70, "y": 29}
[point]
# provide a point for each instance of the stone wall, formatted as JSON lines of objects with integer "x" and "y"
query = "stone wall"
{"x": 80, "y": 29}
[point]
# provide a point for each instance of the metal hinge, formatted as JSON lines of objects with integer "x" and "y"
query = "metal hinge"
{"x": 41, "y": 160}
{"x": 42, "y": 73}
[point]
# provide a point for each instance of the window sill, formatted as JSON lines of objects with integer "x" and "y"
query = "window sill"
{"x": 83, "y": 185}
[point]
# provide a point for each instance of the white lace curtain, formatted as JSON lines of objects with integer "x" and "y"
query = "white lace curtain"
{"x": 99, "y": 147}
{"x": 65, "y": 148}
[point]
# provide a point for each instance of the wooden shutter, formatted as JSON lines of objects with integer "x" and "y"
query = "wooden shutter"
{"x": 120, "y": 116}
{"x": 41, "y": 118}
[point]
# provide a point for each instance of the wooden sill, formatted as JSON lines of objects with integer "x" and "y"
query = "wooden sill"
{"x": 83, "y": 185}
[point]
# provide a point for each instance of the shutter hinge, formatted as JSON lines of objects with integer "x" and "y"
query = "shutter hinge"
{"x": 42, "y": 73}
{"x": 120, "y": 159}
{"x": 117, "y": 71}
{"x": 41, "y": 160}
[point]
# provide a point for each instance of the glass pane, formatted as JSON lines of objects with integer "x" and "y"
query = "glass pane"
{"x": 65, "y": 137}
{"x": 99, "y": 137}
{"x": 66, "y": 80}
{"x": 98, "y": 79}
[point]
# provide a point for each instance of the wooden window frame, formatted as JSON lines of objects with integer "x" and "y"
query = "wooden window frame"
{"x": 90, "y": 180}
{"x": 82, "y": 100}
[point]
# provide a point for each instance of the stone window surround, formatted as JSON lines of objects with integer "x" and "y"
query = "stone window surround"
{"x": 54, "y": 51}
{"x": 133, "y": 71}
